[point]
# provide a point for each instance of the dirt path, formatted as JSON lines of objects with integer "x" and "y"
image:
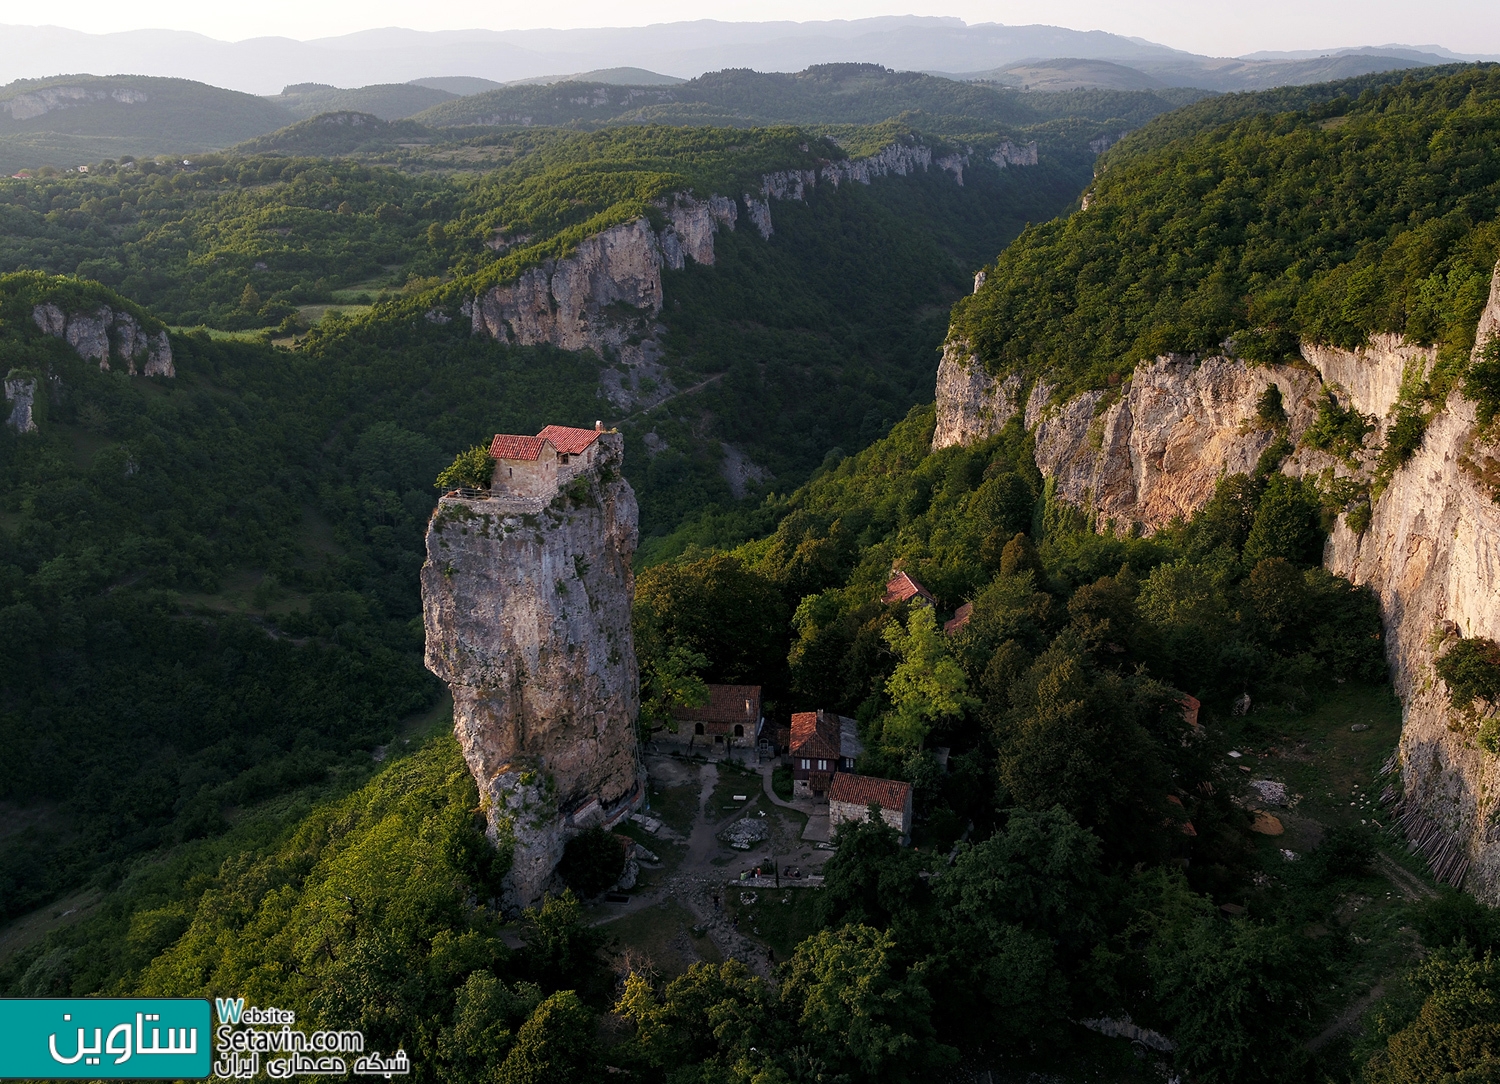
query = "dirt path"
{"x": 1346, "y": 1019}
{"x": 702, "y": 884}
{"x": 702, "y": 846}
{"x": 675, "y": 395}
{"x": 1408, "y": 884}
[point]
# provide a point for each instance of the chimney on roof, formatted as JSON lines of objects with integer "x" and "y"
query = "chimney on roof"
{"x": 598, "y": 427}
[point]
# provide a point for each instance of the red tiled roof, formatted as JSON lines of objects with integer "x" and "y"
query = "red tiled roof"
{"x": 509, "y": 446}
{"x": 566, "y": 440}
{"x": 864, "y": 789}
{"x": 727, "y": 705}
{"x": 960, "y": 619}
{"x": 1187, "y": 825}
{"x": 1190, "y": 706}
{"x": 901, "y": 587}
{"x": 815, "y": 734}
{"x": 569, "y": 441}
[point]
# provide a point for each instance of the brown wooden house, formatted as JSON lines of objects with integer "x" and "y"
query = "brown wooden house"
{"x": 822, "y": 744}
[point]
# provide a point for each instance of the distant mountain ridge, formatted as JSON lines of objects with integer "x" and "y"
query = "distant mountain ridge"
{"x": 74, "y": 119}
{"x": 824, "y": 94}
{"x": 683, "y": 49}
{"x": 388, "y": 101}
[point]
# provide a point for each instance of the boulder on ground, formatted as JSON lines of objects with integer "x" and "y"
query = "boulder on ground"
{"x": 1267, "y": 825}
{"x": 1269, "y": 791}
{"x": 745, "y": 833}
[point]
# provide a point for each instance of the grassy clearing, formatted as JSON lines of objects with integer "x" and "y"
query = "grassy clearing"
{"x": 659, "y": 940}
{"x": 733, "y": 782}
{"x": 247, "y": 591}
{"x": 29, "y": 929}
{"x": 778, "y": 918}
{"x": 1330, "y": 770}
{"x": 675, "y": 805}
{"x": 1319, "y": 756}
{"x": 249, "y": 335}
{"x": 313, "y": 314}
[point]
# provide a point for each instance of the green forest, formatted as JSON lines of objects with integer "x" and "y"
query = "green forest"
{"x": 855, "y": 273}
{"x": 222, "y": 750}
{"x": 1347, "y": 216}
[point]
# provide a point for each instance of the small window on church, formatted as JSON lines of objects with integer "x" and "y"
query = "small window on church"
{"x": 739, "y": 731}
{"x": 697, "y": 728}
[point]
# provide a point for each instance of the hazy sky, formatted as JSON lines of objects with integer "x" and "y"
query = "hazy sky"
{"x": 1202, "y": 26}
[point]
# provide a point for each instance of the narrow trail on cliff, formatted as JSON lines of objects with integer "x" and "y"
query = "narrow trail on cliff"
{"x": 663, "y": 402}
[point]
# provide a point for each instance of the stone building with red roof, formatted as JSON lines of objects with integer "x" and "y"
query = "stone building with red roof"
{"x": 731, "y": 719}
{"x": 850, "y": 797}
{"x": 536, "y": 467}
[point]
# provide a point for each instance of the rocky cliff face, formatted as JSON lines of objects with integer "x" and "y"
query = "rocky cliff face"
{"x": 1142, "y": 453}
{"x": 606, "y": 296}
{"x": 105, "y": 335}
{"x": 40, "y": 102}
{"x": 1432, "y": 555}
{"x": 20, "y": 393}
{"x": 1156, "y": 447}
{"x": 971, "y": 405}
{"x": 526, "y": 605}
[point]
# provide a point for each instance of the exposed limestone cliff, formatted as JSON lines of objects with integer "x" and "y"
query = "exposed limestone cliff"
{"x": 1009, "y": 154}
{"x": 40, "y": 102}
{"x": 1142, "y": 453}
{"x": 971, "y": 405}
{"x": 1156, "y": 447}
{"x": 607, "y": 295}
{"x": 105, "y": 334}
{"x": 1432, "y": 555}
{"x": 526, "y": 604}
{"x": 20, "y": 393}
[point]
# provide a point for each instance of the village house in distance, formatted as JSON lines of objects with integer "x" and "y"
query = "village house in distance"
{"x": 820, "y": 747}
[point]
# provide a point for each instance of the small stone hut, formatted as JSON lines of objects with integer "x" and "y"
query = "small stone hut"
{"x": 536, "y": 467}
{"x": 850, "y": 797}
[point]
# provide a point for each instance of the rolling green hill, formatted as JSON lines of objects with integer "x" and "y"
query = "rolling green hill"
{"x": 619, "y": 77}
{"x": 826, "y": 94}
{"x": 1067, "y": 74}
{"x": 74, "y": 120}
{"x": 388, "y": 101}
{"x": 460, "y": 85}
{"x": 337, "y": 134}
